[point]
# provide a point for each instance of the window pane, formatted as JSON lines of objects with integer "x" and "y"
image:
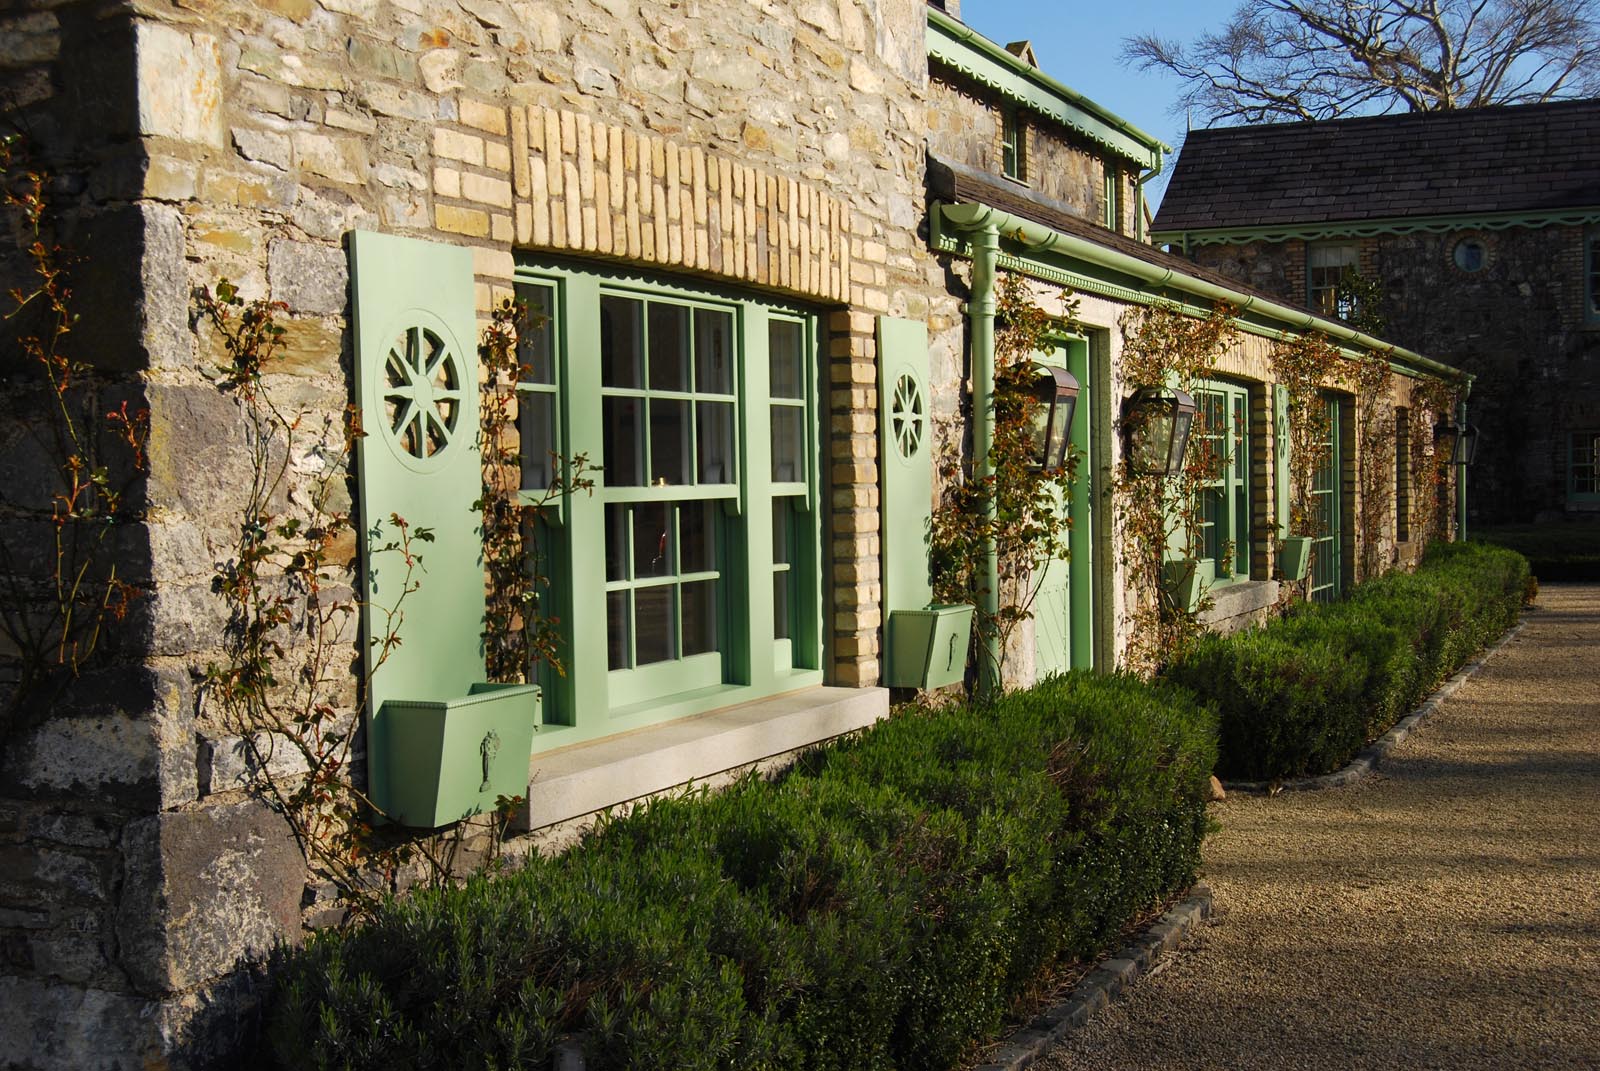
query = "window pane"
{"x": 623, "y": 443}
{"x": 715, "y": 426}
{"x": 621, "y": 354}
{"x": 713, "y": 351}
{"x": 669, "y": 346}
{"x": 534, "y": 342}
{"x": 699, "y": 617}
{"x": 786, "y": 358}
{"x": 697, "y": 537}
{"x": 617, "y": 630}
{"x": 536, "y": 421}
{"x": 780, "y": 605}
{"x": 1241, "y": 453}
{"x": 788, "y": 443}
{"x": 669, "y": 441}
{"x": 652, "y": 539}
{"x": 616, "y": 542}
{"x": 780, "y": 531}
{"x": 656, "y": 625}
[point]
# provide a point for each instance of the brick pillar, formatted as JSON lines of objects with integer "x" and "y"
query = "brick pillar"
{"x": 854, "y": 592}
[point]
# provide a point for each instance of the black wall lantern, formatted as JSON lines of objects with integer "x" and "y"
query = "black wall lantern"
{"x": 1056, "y": 392}
{"x": 1156, "y": 421}
{"x": 1463, "y": 442}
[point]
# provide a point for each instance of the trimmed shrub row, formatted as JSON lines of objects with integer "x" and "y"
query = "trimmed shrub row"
{"x": 1303, "y": 694}
{"x": 1556, "y": 552}
{"x": 876, "y": 908}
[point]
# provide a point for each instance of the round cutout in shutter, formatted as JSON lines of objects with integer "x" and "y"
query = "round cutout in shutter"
{"x": 908, "y": 417}
{"x": 423, "y": 395}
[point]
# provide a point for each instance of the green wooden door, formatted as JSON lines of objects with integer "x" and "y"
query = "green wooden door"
{"x": 1063, "y": 605}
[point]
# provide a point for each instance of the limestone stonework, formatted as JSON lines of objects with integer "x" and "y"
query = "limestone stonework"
{"x": 771, "y": 146}
{"x": 1517, "y": 325}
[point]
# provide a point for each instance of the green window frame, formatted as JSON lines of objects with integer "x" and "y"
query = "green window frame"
{"x": 1223, "y": 424}
{"x": 1591, "y": 276}
{"x": 1402, "y": 474}
{"x": 1326, "y": 264}
{"x": 1013, "y": 145}
{"x": 698, "y": 406}
{"x": 1583, "y": 467}
{"x": 1111, "y": 198}
{"x": 1327, "y": 510}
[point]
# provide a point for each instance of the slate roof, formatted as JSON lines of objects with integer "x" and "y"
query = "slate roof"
{"x": 1524, "y": 158}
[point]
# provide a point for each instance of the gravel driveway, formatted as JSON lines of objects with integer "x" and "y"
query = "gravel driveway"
{"x": 1442, "y": 913}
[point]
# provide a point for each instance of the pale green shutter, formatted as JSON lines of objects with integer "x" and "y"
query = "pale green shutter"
{"x": 416, "y": 371}
{"x": 905, "y": 460}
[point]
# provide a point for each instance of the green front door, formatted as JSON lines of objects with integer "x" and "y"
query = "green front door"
{"x": 1063, "y": 605}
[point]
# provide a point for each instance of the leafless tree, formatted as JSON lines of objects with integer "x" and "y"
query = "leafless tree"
{"x": 1317, "y": 59}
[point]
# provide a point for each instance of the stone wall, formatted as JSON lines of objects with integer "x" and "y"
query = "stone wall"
{"x": 964, "y": 125}
{"x": 1517, "y": 325}
{"x": 769, "y": 145}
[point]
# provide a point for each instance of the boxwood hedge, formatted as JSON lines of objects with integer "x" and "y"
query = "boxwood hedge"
{"x": 1301, "y": 695}
{"x": 878, "y": 907}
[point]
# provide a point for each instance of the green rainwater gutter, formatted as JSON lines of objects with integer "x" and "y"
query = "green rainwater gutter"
{"x": 981, "y": 308}
{"x": 1041, "y": 239}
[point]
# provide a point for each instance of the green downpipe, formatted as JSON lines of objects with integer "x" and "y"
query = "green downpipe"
{"x": 981, "y": 308}
{"x": 1461, "y": 472}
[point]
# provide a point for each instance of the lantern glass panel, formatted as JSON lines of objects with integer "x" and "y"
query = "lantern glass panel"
{"x": 1039, "y": 432}
{"x": 1061, "y": 429}
{"x": 1153, "y": 436}
{"x": 1182, "y": 421}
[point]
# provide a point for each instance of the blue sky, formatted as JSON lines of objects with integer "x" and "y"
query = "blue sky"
{"x": 1079, "y": 44}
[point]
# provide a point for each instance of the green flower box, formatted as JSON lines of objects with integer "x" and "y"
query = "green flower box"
{"x": 1186, "y": 581}
{"x": 928, "y": 648}
{"x": 1294, "y": 557}
{"x": 450, "y": 759}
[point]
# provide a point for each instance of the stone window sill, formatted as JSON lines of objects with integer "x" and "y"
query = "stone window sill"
{"x": 1233, "y": 600}
{"x": 575, "y": 781}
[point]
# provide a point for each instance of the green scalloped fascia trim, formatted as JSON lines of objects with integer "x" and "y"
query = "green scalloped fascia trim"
{"x": 962, "y": 49}
{"x": 1310, "y": 232}
{"x": 1079, "y": 283}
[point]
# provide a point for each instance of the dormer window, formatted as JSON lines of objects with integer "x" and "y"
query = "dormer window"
{"x": 1013, "y": 146}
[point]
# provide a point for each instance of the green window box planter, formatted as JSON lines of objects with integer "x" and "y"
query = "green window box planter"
{"x": 1186, "y": 581}
{"x": 928, "y": 648}
{"x": 1294, "y": 557}
{"x": 449, "y": 759}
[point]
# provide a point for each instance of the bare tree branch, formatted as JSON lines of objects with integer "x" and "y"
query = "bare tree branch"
{"x": 1318, "y": 59}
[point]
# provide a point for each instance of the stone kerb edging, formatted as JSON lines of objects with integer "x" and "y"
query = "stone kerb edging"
{"x": 1102, "y": 985}
{"x": 1371, "y": 756}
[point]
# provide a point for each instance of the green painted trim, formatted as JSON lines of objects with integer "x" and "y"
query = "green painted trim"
{"x": 1101, "y": 481}
{"x": 1368, "y": 228}
{"x": 1150, "y": 284}
{"x": 962, "y": 49}
{"x": 1081, "y": 579}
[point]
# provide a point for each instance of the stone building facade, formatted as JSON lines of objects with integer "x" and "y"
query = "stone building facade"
{"x": 1482, "y": 234}
{"x": 769, "y": 183}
